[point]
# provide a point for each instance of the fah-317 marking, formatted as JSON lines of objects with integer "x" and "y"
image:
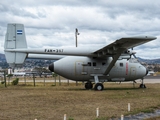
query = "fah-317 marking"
{"x": 53, "y": 50}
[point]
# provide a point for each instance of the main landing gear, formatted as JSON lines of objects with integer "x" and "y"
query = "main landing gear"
{"x": 142, "y": 85}
{"x": 88, "y": 85}
{"x": 98, "y": 86}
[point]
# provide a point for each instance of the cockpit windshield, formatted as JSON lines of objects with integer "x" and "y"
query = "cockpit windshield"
{"x": 133, "y": 60}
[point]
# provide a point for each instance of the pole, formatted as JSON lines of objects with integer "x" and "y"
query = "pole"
{"x": 59, "y": 80}
{"x": 25, "y": 79}
{"x": 5, "y": 79}
{"x": 76, "y": 36}
{"x": 76, "y": 33}
{"x": 34, "y": 79}
{"x": 97, "y": 112}
{"x": 129, "y": 107}
{"x": 65, "y": 116}
{"x": 44, "y": 81}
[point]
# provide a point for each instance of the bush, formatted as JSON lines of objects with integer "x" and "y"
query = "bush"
{"x": 2, "y": 82}
{"x": 15, "y": 82}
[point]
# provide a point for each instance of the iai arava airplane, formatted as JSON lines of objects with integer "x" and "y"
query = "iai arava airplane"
{"x": 112, "y": 63}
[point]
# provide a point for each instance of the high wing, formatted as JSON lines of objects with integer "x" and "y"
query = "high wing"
{"x": 16, "y": 50}
{"x": 125, "y": 43}
{"x": 118, "y": 47}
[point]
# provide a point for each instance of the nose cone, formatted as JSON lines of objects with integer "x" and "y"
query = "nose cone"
{"x": 51, "y": 67}
{"x": 146, "y": 71}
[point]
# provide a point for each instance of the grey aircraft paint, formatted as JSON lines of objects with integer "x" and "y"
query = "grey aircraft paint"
{"x": 112, "y": 62}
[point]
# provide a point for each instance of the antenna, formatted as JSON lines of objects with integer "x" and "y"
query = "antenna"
{"x": 76, "y": 33}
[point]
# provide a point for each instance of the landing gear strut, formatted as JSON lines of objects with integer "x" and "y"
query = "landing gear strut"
{"x": 142, "y": 85}
{"x": 98, "y": 86}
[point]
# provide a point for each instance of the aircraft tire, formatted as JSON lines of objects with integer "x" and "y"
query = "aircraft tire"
{"x": 142, "y": 86}
{"x": 99, "y": 86}
{"x": 88, "y": 85}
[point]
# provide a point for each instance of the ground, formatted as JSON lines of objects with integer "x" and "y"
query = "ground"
{"x": 51, "y": 102}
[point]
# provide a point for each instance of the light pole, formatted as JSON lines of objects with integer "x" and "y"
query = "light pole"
{"x": 76, "y": 33}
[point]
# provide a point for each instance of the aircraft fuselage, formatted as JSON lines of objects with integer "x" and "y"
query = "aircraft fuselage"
{"x": 85, "y": 68}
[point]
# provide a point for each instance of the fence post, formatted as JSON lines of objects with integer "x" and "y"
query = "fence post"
{"x": 34, "y": 80}
{"x": 122, "y": 117}
{"x": 44, "y": 81}
{"x": 5, "y": 79}
{"x": 129, "y": 107}
{"x": 59, "y": 80}
{"x": 65, "y": 116}
{"x": 97, "y": 112}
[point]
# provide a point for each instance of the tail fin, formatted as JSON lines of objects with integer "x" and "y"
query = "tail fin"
{"x": 15, "y": 38}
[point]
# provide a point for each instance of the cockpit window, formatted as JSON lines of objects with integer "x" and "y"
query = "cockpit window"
{"x": 133, "y": 60}
{"x": 121, "y": 64}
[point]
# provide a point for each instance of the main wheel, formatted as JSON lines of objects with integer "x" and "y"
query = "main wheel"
{"x": 88, "y": 85}
{"x": 99, "y": 86}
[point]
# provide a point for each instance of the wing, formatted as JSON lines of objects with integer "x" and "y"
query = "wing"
{"x": 124, "y": 43}
{"x": 116, "y": 48}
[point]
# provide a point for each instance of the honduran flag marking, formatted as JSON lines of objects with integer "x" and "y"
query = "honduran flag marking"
{"x": 19, "y": 32}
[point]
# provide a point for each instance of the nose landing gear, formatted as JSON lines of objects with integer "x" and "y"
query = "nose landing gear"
{"x": 142, "y": 85}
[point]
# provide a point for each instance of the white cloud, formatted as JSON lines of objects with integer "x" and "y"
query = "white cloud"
{"x": 53, "y": 23}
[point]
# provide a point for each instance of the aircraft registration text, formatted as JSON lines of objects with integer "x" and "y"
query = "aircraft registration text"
{"x": 53, "y": 50}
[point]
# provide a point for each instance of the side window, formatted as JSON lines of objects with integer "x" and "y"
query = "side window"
{"x": 103, "y": 63}
{"x": 94, "y": 63}
{"x": 121, "y": 64}
{"x": 89, "y": 63}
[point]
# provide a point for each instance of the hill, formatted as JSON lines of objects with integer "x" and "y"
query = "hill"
{"x": 30, "y": 63}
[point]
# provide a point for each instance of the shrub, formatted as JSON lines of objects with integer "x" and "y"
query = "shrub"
{"x": 2, "y": 82}
{"x": 15, "y": 82}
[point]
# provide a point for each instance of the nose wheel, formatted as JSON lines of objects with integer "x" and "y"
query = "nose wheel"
{"x": 142, "y": 85}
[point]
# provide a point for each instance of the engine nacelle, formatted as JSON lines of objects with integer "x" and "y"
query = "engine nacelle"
{"x": 130, "y": 52}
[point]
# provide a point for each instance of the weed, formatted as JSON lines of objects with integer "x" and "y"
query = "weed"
{"x": 15, "y": 82}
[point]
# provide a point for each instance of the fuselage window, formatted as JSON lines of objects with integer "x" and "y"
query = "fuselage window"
{"x": 89, "y": 63}
{"x": 103, "y": 63}
{"x": 121, "y": 64}
{"x": 94, "y": 63}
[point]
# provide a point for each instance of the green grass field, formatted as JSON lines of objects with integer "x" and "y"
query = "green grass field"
{"x": 50, "y": 102}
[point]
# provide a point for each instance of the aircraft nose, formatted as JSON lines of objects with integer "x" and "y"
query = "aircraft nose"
{"x": 51, "y": 67}
{"x": 146, "y": 71}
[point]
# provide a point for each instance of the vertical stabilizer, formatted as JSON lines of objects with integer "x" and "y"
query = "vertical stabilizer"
{"x": 15, "y": 38}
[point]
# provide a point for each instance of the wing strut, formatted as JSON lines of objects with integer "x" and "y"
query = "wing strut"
{"x": 115, "y": 58}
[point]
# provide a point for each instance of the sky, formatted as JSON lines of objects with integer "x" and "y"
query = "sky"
{"x": 52, "y": 23}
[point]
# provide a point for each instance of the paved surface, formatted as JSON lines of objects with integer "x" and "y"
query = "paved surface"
{"x": 140, "y": 116}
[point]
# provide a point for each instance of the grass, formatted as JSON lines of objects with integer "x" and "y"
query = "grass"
{"x": 51, "y": 102}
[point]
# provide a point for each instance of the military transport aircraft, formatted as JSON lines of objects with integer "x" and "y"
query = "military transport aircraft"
{"x": 113, "y": 63}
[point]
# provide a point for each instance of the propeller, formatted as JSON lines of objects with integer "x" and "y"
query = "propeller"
{"x": 132, "y": 53}
{"x": 135, "y": 56}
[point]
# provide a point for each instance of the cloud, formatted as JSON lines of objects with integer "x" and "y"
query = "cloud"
{"x": 53, "y": 23}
